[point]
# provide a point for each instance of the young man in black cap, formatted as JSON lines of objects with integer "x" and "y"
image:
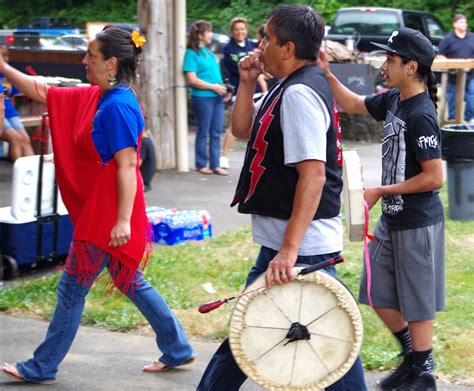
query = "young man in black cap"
{"x": 407, "y": 253}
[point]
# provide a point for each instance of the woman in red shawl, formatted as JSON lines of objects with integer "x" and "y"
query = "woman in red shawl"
{"x": 96, "y": 134}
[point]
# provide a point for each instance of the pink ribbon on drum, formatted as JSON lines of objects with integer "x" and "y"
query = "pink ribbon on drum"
{"x": 366, "y": 252}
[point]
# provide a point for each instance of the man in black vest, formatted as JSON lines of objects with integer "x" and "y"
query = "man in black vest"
{"x": 291, "y": 179}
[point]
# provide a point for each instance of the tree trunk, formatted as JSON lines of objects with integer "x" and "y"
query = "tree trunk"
{"x": 156, "y": 77}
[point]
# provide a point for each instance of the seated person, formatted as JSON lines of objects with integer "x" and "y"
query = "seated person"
{"x": 13, "y": 131}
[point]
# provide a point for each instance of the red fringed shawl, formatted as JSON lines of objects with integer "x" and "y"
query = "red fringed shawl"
{"x": 89, "y": 191}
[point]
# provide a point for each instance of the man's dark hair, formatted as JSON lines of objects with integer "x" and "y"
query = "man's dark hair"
{"x": 299, "y": 24}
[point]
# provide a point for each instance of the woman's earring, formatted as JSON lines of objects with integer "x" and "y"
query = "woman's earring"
{"x": 112, "y": 80}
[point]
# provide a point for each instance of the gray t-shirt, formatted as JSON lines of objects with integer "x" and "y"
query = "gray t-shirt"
{"x": 304, "y": 122}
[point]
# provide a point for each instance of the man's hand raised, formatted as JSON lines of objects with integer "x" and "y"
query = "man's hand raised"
{"x": 250, "y": 67}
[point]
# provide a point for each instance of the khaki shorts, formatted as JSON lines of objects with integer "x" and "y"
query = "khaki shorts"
{"x": 407, "y": 271}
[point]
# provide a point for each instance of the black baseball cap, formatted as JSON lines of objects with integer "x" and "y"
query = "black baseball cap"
{"x": 411, "y": 44}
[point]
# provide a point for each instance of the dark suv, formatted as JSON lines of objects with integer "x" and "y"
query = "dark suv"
{"x": 359, "y": 26}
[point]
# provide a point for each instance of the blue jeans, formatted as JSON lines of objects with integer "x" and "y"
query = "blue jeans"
{"x": 223, "y": 373}
{"x": 12, "y": 123}
{"x": 469, "y": 97}
{"x": 209, "y": 113}
{"x": 170, "y": 336}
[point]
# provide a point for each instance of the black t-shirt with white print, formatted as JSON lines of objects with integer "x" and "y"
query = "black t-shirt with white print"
{"x": 411, "y": 135}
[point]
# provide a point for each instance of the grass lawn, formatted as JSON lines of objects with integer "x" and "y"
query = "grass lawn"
{"x": 179, "y": 272}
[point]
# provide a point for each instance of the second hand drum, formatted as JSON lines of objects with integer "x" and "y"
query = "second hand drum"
{"x": 353, "y": 196}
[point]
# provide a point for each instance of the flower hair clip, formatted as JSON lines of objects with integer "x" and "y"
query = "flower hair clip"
{"x": 137, "y": 39}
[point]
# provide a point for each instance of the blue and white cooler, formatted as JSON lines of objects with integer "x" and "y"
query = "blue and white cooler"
{"x": 36, "y": 227}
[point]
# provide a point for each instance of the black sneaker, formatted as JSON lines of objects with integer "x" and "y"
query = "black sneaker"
{"x": 399, "y": 375}
{"x": 418, "y": 381}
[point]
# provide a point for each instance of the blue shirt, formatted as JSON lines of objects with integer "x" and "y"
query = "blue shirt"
{"x": 117, "y": 123}
{"x": 12, "y": 90}
{"x": 452, "y": 46}
{"x": 206, "y": 68}
{"x": 233, "y": 53}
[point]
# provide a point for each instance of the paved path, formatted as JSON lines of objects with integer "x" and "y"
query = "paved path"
{"x": 108, "y": 361}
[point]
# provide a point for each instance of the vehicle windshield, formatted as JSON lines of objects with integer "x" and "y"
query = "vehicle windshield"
{"x": 64, "y": 42}
{"x": 365, "y": 22}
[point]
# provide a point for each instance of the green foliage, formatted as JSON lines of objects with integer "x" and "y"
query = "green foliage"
{"x": 77, "y": 11}
{"x": 254, "y": 11}
{"x": 102, "y": 11}
{"x": 219, "y": 12}
{"x": 202, "y": 9}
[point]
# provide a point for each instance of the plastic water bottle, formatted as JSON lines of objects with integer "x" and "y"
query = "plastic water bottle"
{"x": 206, "y": 223}
{"x": 156, "y": 214}
{"x": 175, "y": 221}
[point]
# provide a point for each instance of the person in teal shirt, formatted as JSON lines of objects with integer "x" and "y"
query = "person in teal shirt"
{"x": 207, "y": 96}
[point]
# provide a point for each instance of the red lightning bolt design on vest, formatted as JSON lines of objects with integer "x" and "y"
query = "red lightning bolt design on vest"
{"x": 260, "y": 145}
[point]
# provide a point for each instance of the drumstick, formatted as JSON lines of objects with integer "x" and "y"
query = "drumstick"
{"x": 211, "y": 306}
{"x": 321, "y": 265}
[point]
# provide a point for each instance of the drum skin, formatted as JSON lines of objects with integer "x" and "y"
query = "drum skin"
{"x": 261, "y": 320}
{"x": 353, "y": 196}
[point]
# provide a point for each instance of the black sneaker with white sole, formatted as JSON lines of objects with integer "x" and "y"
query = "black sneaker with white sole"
{"x": 399, "y": 375}
{"x": 418, "y": 380}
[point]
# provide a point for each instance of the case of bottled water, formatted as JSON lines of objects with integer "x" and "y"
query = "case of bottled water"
{"x": 171, "y": 226}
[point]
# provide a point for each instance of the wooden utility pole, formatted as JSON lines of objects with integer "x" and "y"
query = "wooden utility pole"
{"x": 157, "y": 77}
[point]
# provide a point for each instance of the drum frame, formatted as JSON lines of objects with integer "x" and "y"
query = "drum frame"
{"x": 344, "y": 299}
{"x": 353, "y": 196}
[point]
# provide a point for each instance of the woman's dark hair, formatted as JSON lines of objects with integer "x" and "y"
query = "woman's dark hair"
{"x": 261, "y": 32}
{"x": 117, "y": 42}
{"x": 425, "y": 74}
{"x": 198, "y": 27}
{"x": 299, "y": 24}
